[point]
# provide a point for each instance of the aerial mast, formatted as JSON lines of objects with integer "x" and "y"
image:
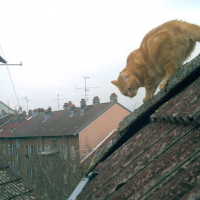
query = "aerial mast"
{"x": 86, "y": 89}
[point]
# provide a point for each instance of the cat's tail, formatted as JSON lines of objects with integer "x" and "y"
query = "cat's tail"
{"x": 194, "y": 32}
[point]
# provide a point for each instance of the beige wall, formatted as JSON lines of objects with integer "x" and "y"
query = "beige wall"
{"x": 96, "y": 131}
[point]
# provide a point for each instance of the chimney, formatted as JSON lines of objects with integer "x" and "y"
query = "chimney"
{"x": 30, "y": 112}
{"x": 83, "y": 106}
{"x": 113, "y": 97}
{"x": 47, "y": 114}
{"x": 37, "y": 111}
{"x": 3, "y": 113}
{"x": 73, "y": 109}
{"x": 24, "y": 113}
{"x": 96, "y": 100}
{"x": 67, "y": 106}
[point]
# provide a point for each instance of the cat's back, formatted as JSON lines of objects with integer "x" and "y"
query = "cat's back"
{"x": 166, "y": 27}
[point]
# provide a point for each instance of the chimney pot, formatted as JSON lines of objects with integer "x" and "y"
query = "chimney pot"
{"x": 73, "y": 109}
{"x": 113, "y": 97}
{"x": 83, "y": 106}
{"x": 96, "y": 100}
{"x": 30, "y": 112}
{"x": 47, "y": 114}
{"x": 67, "y": 105}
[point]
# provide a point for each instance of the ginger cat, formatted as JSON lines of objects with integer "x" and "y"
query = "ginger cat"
{"x": 162, "y": 51}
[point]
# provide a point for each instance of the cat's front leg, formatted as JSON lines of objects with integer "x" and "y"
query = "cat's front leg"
{"x": 150, "y": 87}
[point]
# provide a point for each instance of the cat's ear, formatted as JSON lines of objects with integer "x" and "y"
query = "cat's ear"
{"x": 124, "y": 75}
{"x": 114, "y": 82}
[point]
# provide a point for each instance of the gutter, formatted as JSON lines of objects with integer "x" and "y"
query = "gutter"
{"x": 85, "y": 180}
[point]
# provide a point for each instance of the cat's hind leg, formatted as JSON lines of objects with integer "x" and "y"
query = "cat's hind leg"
{"x": 170, "y": 69}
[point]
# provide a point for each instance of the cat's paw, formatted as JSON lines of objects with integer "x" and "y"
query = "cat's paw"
{"x": 145, "y": 99}
{"x": 162, "y": 86}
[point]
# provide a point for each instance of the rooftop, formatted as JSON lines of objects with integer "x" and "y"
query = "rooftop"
{"x": 12, "y": 185}
{"x": 60, "y": 123}
{"x": 156, "y": 151}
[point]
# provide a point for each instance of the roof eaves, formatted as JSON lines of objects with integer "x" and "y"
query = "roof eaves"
{"x": 141, "y": 116}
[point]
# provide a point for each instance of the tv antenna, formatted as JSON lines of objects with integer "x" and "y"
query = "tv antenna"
{"x": 26, "y": 103}
{"x": 86, "y": 89}
{"x": 58, "y": 99}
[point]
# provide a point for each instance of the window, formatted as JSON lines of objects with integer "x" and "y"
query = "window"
{"x": 27, "y": 151}
{"x": 73, "y": 153}
{"x": 4, "y": 149}
{"x": 9, "y": 150}
{"x": 32, "y": 150}
{"x": 14, "y": 166}
{"x": 17, "y": 143}
{"x": 18, "y": 160}
{"x": 46, "y": 148}
{"x": 63, "y": 152}
{"x": 14, "y": 150}
{"x": 54, "y": 144}
{"x": 29, "y": 170}
{"x": 39, "y": 148}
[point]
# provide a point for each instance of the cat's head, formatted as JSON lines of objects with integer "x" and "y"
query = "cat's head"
{"x": 127, "y": 83}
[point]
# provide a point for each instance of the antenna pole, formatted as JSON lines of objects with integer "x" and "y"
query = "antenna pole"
{"x": 85, "y": 77}
{"x": 86, "y": 88}
{"x": 26, "y": 103}
{"x": 58, "y": 99}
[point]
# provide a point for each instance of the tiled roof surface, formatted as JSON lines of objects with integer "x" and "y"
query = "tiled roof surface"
{"x": 156, "y": 153}
{"x": 12, "y": 186}
{"x": 60, "y": 123}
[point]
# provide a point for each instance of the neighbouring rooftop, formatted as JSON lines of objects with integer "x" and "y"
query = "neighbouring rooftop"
{"x": 12, "y": 185}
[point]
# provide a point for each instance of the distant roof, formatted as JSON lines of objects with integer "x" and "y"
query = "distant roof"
{"x": 6, "y": 108}
{"x": 60, "y": 123}
{"x": 156, "y": 152}
{"x": 12, "y": 185}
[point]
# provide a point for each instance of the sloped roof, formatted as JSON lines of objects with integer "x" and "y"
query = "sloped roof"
{"x": 60, "y": 123}
{"x": 156, "y": 153}
{"x": 12, "y": 185}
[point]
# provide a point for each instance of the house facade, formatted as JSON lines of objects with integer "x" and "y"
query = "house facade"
{"x": 45, "y": 141}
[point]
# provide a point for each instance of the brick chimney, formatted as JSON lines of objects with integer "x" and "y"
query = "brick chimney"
{"x": 83, "y": 106}
{"x": 96, "y": 100}
{"x": 113, "y": 97}
{"x": 37, "y": 111}
{"x": 24, "y": 113}
{"x": 73, "y": 109}
{"x": 47, "y": 114}
{"x": 30, "y": 112}
{"x": 67, "y": 106}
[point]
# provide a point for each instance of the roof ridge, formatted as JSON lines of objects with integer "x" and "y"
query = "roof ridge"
{"x": 185, "y": 76}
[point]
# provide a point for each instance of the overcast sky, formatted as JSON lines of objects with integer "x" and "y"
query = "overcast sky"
{"x": 60, "y": 41}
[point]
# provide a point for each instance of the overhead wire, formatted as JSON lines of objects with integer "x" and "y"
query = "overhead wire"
{"x": 11, "y": 81}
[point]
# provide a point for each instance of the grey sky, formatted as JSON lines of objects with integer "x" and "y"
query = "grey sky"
{"x": 58, "y": 42}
